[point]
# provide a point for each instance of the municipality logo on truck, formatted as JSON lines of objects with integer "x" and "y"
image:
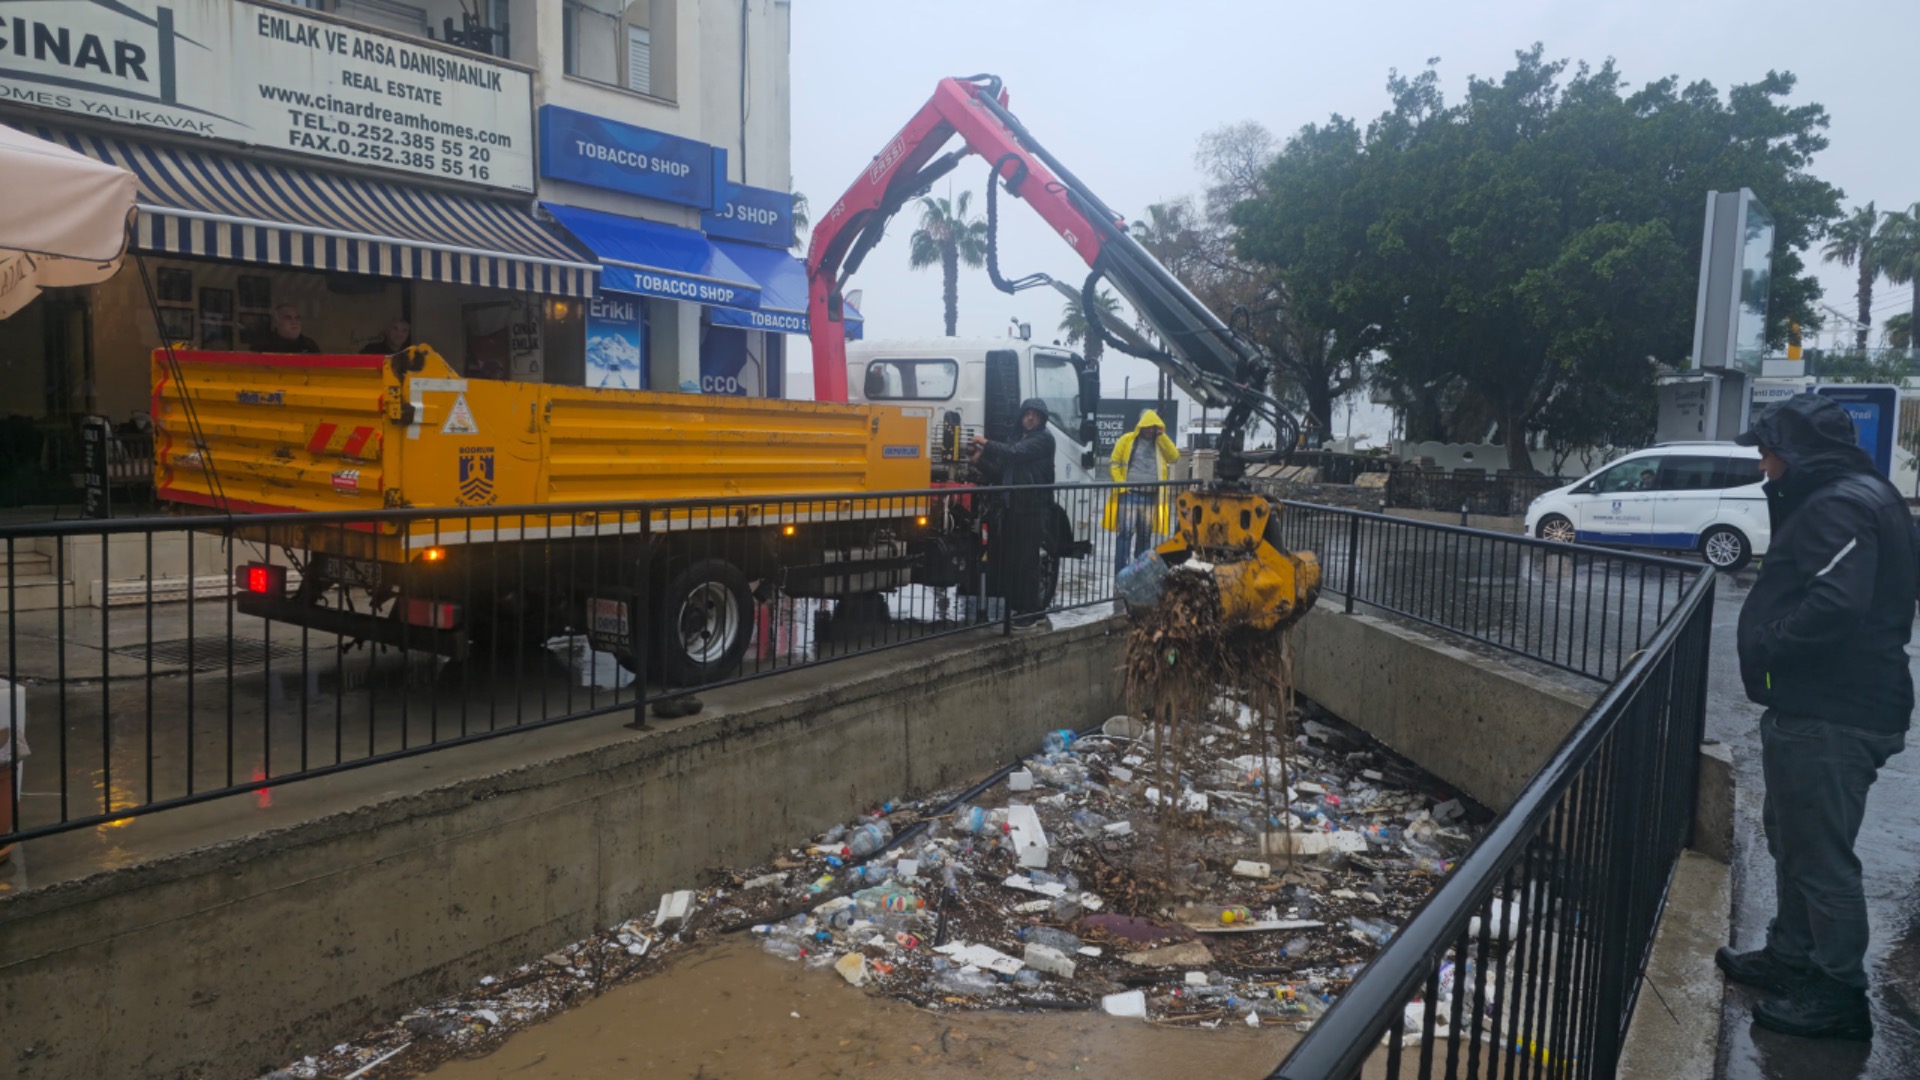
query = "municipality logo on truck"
{"x": 266, "y": 76}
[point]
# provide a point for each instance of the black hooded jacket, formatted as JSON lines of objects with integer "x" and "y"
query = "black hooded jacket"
{"x": 1824, "y": 632}
{"x": 1028, "y": 459}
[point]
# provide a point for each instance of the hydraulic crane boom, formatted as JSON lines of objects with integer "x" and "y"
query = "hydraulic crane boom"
{"x": 1216, "y": 367}
{"x": 1232, "y": 531}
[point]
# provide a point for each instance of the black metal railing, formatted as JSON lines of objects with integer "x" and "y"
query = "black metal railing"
{"x": 1580, "y": 609}
{"x": 1339, "y": 468}
{"x": 169, "y": 661}
{"x": 1499, "y": 494}
{"x": 1527, "y": 959}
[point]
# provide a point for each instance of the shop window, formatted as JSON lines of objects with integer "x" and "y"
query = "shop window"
{"x": 624, "y": 43}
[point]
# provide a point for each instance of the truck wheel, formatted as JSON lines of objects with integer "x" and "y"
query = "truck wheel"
{"x": 702, "y": 622}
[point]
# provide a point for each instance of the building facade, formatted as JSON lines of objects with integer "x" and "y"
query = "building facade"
{"x": 592, "y": 192}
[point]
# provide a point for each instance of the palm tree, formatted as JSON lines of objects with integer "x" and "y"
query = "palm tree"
{"x": 1073, "y": 323}
{"x": 1900, "y": 260}
{"x": 801, "y": 219}
{"x": 949, "y": 237}
{"x": 1852, "y": 243}
{"x": 1898, "y": 333}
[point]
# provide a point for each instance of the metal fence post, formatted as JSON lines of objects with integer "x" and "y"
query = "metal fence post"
{"x": 642, "y": 608}
{"x": 1353, "y": 557}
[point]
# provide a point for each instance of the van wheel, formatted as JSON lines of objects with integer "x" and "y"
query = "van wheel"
{"x": 703, "y": 622}
{"x": 1726, "y": 548}
{"x": 1555, "y": 527}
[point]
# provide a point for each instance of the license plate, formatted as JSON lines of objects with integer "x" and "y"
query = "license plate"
{"x": 353, "y": 572}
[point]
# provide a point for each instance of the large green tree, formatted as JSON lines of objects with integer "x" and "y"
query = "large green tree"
{"x": 1528, "y": 253}
{"x": 947, "y": 237}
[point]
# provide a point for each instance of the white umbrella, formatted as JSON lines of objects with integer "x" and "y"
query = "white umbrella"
{"x": 64, "y": 221}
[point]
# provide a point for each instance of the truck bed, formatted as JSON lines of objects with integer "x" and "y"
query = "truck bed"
{"x": 332, "y": 433}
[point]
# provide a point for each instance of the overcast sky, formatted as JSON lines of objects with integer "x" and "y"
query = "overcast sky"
{"x": 1121, "y": 90}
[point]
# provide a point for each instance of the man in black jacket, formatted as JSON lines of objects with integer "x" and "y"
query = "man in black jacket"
{"x": 1822, "y": 641}
{"x": 1019, "y": 524}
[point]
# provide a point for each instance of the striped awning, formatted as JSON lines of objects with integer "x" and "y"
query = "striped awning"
{"x": 217, "y": 205}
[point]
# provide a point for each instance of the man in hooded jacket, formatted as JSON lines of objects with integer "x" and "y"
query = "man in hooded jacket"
{"x": 1018, "y": 525}
{"x": 1141, "y": 456}
{"x": 1822, "y": 643}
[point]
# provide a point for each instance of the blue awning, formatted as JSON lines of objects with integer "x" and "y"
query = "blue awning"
{"x": 646, "y": 258}
{"x": 217, "y": 205}
{"x": 783, "y": 292}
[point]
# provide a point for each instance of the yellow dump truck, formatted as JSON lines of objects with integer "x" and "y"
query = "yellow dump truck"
{"x": 531, "y": 539}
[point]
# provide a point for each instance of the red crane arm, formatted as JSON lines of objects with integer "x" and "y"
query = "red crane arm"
{"x": 901, "y": 171}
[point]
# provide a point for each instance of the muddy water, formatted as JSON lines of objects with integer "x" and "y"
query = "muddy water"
{"x": 726, "y": 1012}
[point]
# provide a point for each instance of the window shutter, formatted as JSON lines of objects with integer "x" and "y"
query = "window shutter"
{"x": 640, "y": 59}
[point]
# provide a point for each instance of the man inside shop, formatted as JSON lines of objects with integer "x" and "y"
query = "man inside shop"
{"x": 285, "y": 335}
{"x": 399, "y": 335}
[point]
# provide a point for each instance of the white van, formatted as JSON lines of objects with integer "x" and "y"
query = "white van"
{"x": 1695, "y": 496}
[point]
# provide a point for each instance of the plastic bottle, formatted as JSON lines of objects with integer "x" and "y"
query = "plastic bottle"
{"x": 948, "y": 879}
{"x": 1375, "y": 930}
{"x": 892, "y": 896}
{"x": 1052, "y": 938}
{"x": 821, "y": 883}
{"x": 834, "y": 834}
{"x": 1058, "y": 740}
{"x": 870, "y": 838}
{"x": 1067, "y": 908}
{"x": 784, "y": 948}
{"x": 970, "y": 821}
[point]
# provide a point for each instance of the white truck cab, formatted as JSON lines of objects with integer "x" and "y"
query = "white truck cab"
{"x": 974, "y": 386}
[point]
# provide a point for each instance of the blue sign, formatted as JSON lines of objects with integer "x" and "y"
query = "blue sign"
{"x": 1874, "y": 410}
{"x": 751, "y": 214}
{"x": 616, "y": 343}
{"x": 724, "y": 366}
{"x": 602, "y": 153}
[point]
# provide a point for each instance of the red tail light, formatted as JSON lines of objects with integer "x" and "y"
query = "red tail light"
{"x": 261, "y": 579}
{"x": 432, "y": 614}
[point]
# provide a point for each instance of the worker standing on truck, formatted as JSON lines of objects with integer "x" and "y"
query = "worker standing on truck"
{"x": 1019, "y": 520}
{"x": 1138, "y": 514}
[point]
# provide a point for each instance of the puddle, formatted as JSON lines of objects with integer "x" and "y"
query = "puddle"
{"x": 725, "y": 1010}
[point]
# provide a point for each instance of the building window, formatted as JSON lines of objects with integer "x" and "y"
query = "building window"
{"x": 625, "y": 43}
{"x": 479, "y": 25}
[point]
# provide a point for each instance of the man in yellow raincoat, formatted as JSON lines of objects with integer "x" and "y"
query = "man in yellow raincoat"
{"x": 1141, "y": 456}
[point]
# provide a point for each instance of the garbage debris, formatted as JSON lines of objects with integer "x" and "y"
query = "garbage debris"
{"x": 953, "y": 905}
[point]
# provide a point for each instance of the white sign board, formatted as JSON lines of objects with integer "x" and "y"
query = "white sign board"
{"x": 268, "y": 76}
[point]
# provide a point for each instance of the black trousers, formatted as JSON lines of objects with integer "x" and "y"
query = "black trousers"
{"x": 1017, "y": 528}
{"x": 1817, "y": 776}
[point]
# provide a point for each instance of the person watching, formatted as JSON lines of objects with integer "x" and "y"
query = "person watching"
{"x": 399, "y": 335}
{"x": 1017, "y": 522}
{"x": 284, "y": 336}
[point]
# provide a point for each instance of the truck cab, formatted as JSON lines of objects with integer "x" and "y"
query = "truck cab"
{"x": 974, "y": 387}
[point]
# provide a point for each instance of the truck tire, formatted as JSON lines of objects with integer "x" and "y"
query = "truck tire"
{"x": 702, "y": 622}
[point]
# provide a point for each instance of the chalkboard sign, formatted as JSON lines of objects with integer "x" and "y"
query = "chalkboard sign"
{"x": 96, "y": 441}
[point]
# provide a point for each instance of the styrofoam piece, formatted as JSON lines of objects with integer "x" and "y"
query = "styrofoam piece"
{"x": 1025, "y": 884}
{"x": 1119, "y": 828}
{"x": 981, "y": 956}
{"x": 1121, "y": 773}
{"x": 1196, "y": 978}
{"x": 1020, "y": 780}
{"x": 909, "y": 868}
{"x": 1050, "y": 960}
{"x": 853, "y": 968}
{"x": 674, "y": 908}
{"x": 1247, "y": 868}
{"x": 1029, "y": 839}
{"x": 1133, "y": 1003}
{"x": 1255, "y": 926}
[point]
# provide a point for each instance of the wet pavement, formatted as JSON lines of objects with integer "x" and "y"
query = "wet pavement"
{"x": 1889, "y": 849}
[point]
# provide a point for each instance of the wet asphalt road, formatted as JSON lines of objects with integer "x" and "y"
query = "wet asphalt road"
{"x": 1889, "y": 849}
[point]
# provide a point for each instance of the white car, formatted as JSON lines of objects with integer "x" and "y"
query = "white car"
{"x": 1698, "y": 496}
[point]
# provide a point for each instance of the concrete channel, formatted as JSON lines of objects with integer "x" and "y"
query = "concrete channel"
{"x": 219, "y": 939}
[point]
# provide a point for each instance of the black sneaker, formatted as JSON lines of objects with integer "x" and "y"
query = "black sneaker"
{"x": 1819, "y": 1009}
{"x": 1759, "y": 969}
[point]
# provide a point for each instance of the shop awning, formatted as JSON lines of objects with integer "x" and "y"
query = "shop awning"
{"x": 217, "y": 205}
{"x": 783, "y": 292}
{"x": 647, "y": 258}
